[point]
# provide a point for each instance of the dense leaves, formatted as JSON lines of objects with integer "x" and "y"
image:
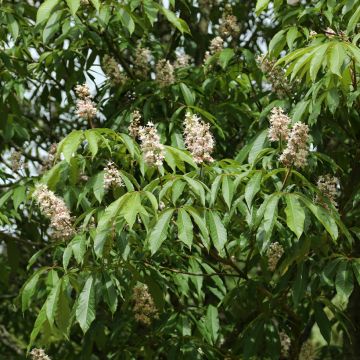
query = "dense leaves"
{"x": 233, "y": 258}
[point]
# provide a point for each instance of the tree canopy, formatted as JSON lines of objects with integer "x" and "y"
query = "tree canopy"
{"x": 179, "y": 179}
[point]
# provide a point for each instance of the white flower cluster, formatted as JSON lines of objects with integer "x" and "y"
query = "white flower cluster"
{"x": 113, "y": 71}
{"x": 279, "y": 125}
{"x": 56, "y": 210}
{"x": 150, "y": 145}
{"x": 307, "y": 351}
{"x": 16, "y": 160}
{"x": 141, "y": 62}
{"x": 274, "y": 253}
{"x": 182, "y": 61}
{"x": 134, "y": 126}
{"x": 49, "y": 161}
{"x": 144, "y": 308}
{"x": 85, "y": 107}
{"x": 165, "y": 73}
{"x": 216, "y": 45}
{"x": 198, "y": 138}
{"x": 327, "y": 185}
{"x": 229, "y": 26}
{"x": 275, "y": 75}
{"x": 297, "y": 149}
{"x": 112, "y": 177}
{"x": 39, "y": 354}
{"x": 285, "y": 344}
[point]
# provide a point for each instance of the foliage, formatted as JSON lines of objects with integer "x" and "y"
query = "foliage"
{"x": 195, "y": 240}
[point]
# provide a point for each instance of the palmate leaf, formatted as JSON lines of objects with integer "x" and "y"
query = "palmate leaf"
{"x": 39, "y": 323}
{"x": 324, "y": 217}
{"x": 185, "y": 227}
{"x": 344, "y": 281}
{"x": 45, "y": 10}
{"x": 201, "y": 224}
{"x": 295, "y": 215}
{"x": 212, "y": 322}
{"x": 85, "y": 310}
{"x": 252, "y": 188}
{"x": 159, "y": 232}
{"x": 52, "y": 302}
{"x": 217, "y": 230}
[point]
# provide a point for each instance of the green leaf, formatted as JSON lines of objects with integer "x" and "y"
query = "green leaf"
{"x": 69, "y": 145}
{"x": 317, "y": 60}
{"x": 127, "y": 21}
{"x": 73, "y": 5}
{"x": 261, "y": 5}
{"x": 96, "y": 4}
{"x": 344, "y": 281}
{"x": 13, "y": 26}
{"x": 159, "y": 232}
{"x": 5, "y": 197}
{"x": 227, "y": 190}
{"x": 323, "y": 322}
{"x": 97, "y": 183}
{"x": 225, "y": 56}
{"x": 277, "y": 43}
{"x": 201, "y": 224}
{"x": 29, "y": 289}
{"x": 78, "y": 245}
{"x": 189, "y": 97}
{"x": 45, "y": 10}
{"x": 336, "y": 58}
{"x": 93, "y": 138}
{"x": 63, "y": 313}
{"x": 252, "y": 188}
{"x": 323, "y": 216}
{"x": 212, "y": 322}
{"x": 110, "y": 295}
{"x": 52, "y": 26}
{"x": 150, "y": 10}
{"x": 257, "y": 146}
{"x": 67, "y": 256}
{"x": 19, "y": 196}
{"x": 85, "y": 309}
{"x": 214, "y": 189}
{"x": 39, "y": 322}
{"x": 52, "y": 301}
{"x": 105, "y": 225}
{"x": 197, "y": 188}
{"x": 356, "y": 269}
{"x": 270, "y": 216}
{"x": 300, "y": 283}
{"x": 180, "y": 24}
{"x": 295, "y": 215}
{"x": 217, "y": 231}
{"x": 291, "y": 36}
{"x": 132, "y": 206}
{"x": 185, "y": 227}
{"x": 354, "y": 20}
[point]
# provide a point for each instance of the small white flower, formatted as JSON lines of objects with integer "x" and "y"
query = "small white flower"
{"x": 134, "y": 126}
{"x": 165, "y": 73}
{"x": 198, "y": 138}
{"x": 151, "y": 146}
{"x": 279, "y": 125}
{"x": 56, "y": 210}
{"x": 39, "y": 354}
{"x": 297, "y": 149}
{"x": 112, "y": 177}
{"x": 274, "y": 253}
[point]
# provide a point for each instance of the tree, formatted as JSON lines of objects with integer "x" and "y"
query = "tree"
{"x": 195, "y": 198}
